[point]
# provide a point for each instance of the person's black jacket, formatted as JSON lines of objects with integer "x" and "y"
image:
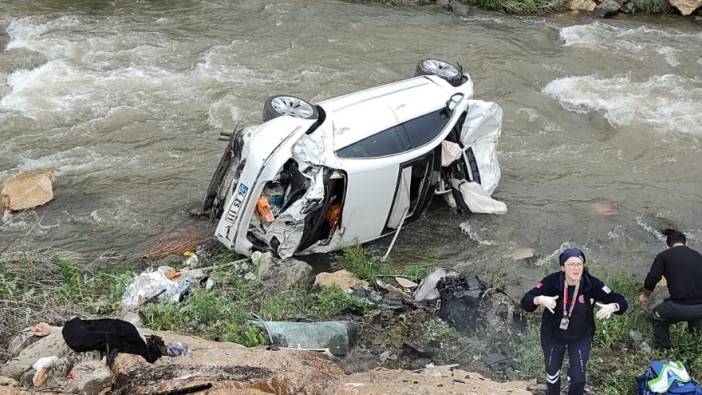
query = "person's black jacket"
{"x": 682, "y": 268}
{"x": 110, "y": 336}
{"x": 582, "y": 323}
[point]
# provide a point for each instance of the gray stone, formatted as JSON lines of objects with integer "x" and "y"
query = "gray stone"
{"x": 628, "y": 8}
{"x": 458, "y": 8}
{"x": 249, "y": 277}
{"x": 92, "y": 377}
{"x": 284, "y": 274}
{"x": 607, "y": 8}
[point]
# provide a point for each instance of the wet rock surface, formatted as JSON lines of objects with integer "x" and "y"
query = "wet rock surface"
{"x": 27, "y": 190}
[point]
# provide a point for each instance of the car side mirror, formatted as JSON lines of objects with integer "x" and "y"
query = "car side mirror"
{"x": 453, "y": 101}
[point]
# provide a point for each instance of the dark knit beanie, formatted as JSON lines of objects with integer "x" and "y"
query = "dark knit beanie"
{"x": 569, "y": 253}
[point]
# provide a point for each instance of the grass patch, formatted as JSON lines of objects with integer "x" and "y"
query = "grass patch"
{"x": 36, "y": 288}
{"x": 617, "y": 356}
{"x": 654, "y": 7}
{"x": 365, "y": 267}
{"x": 224, "y": 313}
{"x": 521, "y": 7}
{"x": 357, "y": 262}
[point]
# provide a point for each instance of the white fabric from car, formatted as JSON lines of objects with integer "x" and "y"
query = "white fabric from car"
{"x": 288, "y": 232}
{"x": 427, "y": 292}
{"x": 477, "y": 199}
{"x": 402, "y": 198}
{"x": 450, "y": 152}
{"x": 480, "y": 131}
{"x": 288, "y": 228}
{"x": 316, "y": 149}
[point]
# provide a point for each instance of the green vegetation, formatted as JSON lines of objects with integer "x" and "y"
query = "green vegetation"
{"x": 368, "y": 268}
{"x": 35, "y": 288}
{"x": 520, "y": 6}
{"x": 654, "y": 7}
{"x": 617, "y": 356}
{"x": 226, "y": 311}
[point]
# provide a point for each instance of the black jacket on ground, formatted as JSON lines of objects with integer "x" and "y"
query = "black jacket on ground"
{"x": 582, "y": 322}
{"x": 107, "y": 335}
{"x": 682, "y": 268}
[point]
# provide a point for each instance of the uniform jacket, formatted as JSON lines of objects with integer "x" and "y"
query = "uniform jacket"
{"x": 582, "y": 323}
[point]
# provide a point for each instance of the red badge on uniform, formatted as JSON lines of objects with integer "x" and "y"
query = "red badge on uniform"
{"x": 539, "y": 285}
{"x": 581, "y": 298}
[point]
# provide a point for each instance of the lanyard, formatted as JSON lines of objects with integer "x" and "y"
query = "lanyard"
{"x": 573, "y": 301}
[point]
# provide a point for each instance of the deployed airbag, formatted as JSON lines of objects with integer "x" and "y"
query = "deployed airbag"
{"x": 477, "y": 199}
{"x": 481, "y": 130}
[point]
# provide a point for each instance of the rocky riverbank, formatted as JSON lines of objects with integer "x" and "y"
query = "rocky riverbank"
{"x": 599, "y": 8}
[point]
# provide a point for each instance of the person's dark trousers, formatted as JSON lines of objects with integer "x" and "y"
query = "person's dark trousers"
{"x": 668, "y": 313}
{"x": 578, "y": 355}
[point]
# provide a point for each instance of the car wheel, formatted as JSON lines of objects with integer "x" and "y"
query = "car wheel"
{"x": 276, "y": 106}
{"x": 443, "y": 69}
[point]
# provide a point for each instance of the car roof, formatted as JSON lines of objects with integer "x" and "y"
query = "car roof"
{"x": 362, "y": 114}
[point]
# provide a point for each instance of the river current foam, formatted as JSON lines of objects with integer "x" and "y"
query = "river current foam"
{"x": 667, "y": 103}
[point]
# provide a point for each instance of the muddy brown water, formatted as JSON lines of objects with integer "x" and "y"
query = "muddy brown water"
{"x": 126, "y": 99}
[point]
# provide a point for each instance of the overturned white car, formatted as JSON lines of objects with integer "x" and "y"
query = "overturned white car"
{"x": 318, "y": 177}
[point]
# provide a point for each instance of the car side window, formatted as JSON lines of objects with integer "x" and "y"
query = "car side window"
{"x": 388, "y": 142}
{"x": 423, "y": 129}
{"x": 397, "y": 139}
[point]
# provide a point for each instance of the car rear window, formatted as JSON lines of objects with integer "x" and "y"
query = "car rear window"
{"x": 423, "y": 129}
{"x": 388, "y": 142}
{"x": 400, "y": 138}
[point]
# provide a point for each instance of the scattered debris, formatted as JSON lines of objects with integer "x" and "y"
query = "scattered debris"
{"x": 166, "y": 284}
{"x": 405, "y": 283}
{"x": 336, "y": 337}
{"x": 27, "y": 190}
{"x": 340, "y": 278}
{"x": 460, "y": 302}
{"x": 192, "y": 259}
{"x": 427, "y": 292}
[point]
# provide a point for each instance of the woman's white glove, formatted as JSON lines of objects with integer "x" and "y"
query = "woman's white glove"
{"x": 549, "y": 302}
{"x": 606, "y": 310}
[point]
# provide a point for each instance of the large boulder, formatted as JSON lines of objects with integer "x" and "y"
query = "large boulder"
{"x": 459, "y": 9}
{"x": 27, "y": 190}
{"x": 686, "y": 7}
{"x": 582, "y": 5}
{"x": 225, "y": 368}
{"x": 607, "y": 8}
{"x": 280, "y": 274}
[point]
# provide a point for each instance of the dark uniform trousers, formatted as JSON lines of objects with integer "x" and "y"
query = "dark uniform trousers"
{"x": 578, "y": 355}
{"x": 668, "y": 313}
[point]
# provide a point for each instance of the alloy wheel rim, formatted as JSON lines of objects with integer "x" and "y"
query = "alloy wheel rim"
{"x": 288, "y": 105}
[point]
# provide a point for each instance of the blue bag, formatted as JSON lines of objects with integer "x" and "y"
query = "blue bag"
{"x": 667, "y": 377}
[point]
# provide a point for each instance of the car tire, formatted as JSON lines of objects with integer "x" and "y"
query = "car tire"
{"x": 278, "y": 105}
{"x": 440, "y": 68}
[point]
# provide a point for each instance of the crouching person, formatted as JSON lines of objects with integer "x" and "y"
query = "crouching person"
{"x": 569, "y": 297}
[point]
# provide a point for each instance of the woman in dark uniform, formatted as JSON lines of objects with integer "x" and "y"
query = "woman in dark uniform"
{"x": 569, "y": 297}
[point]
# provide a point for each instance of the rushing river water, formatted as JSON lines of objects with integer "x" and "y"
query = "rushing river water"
{"x": 126, "y": 100}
